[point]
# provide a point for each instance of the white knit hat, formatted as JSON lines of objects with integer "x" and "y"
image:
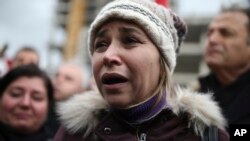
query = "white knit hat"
{"x": 157, "y": 21}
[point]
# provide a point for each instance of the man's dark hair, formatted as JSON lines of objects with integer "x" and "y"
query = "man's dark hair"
{"x": 245, "y": 11}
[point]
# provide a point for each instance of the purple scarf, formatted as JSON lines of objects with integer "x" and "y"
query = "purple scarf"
{"x": 144, "y": 111}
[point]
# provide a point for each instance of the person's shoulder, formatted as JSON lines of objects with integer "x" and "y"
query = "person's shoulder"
{"x": 81, "y": 111}
{"x": 197, "y": 84}
{"x": 202, "y": 110}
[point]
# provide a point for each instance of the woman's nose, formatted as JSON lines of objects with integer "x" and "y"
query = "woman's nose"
{"x": 25, "y": 101}
{"x": 112, "y": 56}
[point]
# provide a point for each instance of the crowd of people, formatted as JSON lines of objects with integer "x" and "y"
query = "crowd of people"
{"x": 131, "y": 96}
{"x": 28, "y": 96}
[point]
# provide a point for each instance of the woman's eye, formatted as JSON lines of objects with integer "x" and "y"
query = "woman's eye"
{"x": 15, "y": 94}
{"x": 130, "y": 40}
{"x": 100, "y": 45}
{"x": 38, "y": 98}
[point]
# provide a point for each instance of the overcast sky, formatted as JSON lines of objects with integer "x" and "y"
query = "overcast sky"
{"x": 30, "y": 22}
{"x": 26, "y": 22}
{"x": 199, "y": 8}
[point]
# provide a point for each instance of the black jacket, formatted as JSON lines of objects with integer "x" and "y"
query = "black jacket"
{"x": 234, "y": 99}
{"x": 8, "y": 134}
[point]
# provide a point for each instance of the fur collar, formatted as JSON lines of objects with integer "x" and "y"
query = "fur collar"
{"x": 80, "y": 111}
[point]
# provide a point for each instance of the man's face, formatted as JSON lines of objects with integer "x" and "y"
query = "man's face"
{"x": 227, "y": 43}
{"x": 68, "y": 81}
{"x": 25, "y": 58}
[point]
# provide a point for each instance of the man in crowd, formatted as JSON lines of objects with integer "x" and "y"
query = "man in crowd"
{"x": 227, "y": 55}
{"x": 26, "y": 55}
{"x": 70, "y": 79}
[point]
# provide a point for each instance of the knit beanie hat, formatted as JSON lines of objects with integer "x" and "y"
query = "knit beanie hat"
{"x": 163, "y": 27}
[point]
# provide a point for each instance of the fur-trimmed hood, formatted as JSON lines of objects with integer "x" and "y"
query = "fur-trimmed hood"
{"x": 80, "y": 111}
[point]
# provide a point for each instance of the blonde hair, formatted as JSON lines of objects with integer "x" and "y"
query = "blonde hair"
{"x": 165, "y": 81}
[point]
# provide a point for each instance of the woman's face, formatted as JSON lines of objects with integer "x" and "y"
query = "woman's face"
{"x": 24, "y": 104}
{"x": 126, "y": 64}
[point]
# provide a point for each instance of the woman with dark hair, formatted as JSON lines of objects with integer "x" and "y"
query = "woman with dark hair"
{"x": 26, "y": 93}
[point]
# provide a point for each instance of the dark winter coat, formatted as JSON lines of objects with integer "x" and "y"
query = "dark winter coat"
{"x": 185, "y": 119}
{"x": 234, "y": 99}
{"x": 9, "y": 134}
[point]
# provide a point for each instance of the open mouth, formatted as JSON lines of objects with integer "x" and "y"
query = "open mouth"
{"x": 113, "y": 78}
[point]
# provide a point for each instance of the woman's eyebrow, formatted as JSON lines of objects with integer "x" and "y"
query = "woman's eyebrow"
{"x": 17, "y": 87}
{"x": 129, "y": 30}
{"x": 101, "y": 33}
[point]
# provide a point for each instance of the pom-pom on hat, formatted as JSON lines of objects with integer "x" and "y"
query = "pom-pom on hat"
{"x": 164, "y": 28}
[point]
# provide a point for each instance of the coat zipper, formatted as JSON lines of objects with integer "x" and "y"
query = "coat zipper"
{"x": 143, "y": 137}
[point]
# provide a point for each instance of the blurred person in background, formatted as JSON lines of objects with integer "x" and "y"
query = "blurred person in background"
{"x": 133, "y": 44}
{"x": 227, "y": 54}
{"x": 70, "y": 79}
{"x": 26, "y": 55}
{"x": 25, "y": 96}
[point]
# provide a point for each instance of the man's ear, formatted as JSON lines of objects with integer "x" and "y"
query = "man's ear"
{"x": 248, "y": 42}
{"x": 248, "y": 50}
